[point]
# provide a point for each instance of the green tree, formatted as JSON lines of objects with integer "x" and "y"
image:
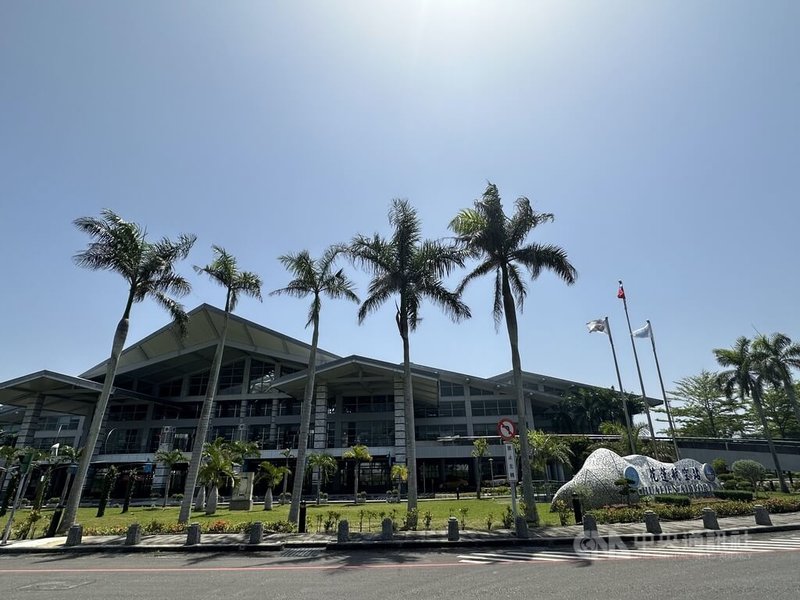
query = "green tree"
{"x": 743, "y": 376}
{"x": 779, "y": 413}
{"x": 413, "y": 270}
{"x": 149, "y": 271}
{"x": 621, "y": 444}
{"x": 315, "y": 279}
{"x": 216, "y": 471}
{"x": 547, "y": 448}
{"x": 272, "y": 475}
{"x": 224, "y": 271}
{"x": 499, "y": 243}
{"x": 399, "y": 474}
{"x": 358, "y": 454}
{"x": 749, "y": 470}
{"x": 241, "y": 450}
{"x": 169, "y": 458}
{"x": 325, "y": 466}
{"x": 776, "y": 356}
{"x": 479, "y": 450}
{"x": 704, "y": 410}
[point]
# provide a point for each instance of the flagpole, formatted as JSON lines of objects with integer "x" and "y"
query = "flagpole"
{"x": 663, "y": 392}
{"x": 621, "y": 390}
{"x": 639, "y": 372}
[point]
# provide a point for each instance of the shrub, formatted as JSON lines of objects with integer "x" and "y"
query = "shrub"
{"x": 720, "y": 466}
{"x": 427, "y": 517}
{"x": 742, "y": 495}
{"x": 672, "y": 512}
{"x": 749, "y": 470}
{"x": 508, "y": 518}
{"x": 410, "y": 521}
{"x": 782, "y": 505}
{"x": 725, "y": 477}
{"x": 733, "y": 508}
{"x": 676, "y": 499}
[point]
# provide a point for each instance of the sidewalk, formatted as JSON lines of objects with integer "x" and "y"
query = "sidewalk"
{"x": 540, "y": 536}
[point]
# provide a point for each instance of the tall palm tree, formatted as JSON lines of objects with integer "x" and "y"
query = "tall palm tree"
{"x": 224, "y": 271}
{"x": 545, "y": 448}
{"x": 406, "y": 266}
{"x": 499, "y": 243}
{"x": 169, "y": 459}
{"x": 743, "y": 375}
{"x": 314, "y": 278}
{"x": 325, "y": 465}
{"x": 358, "y": 454}
{"x": 777, "y": 356}
{"x": 149, "y": 270}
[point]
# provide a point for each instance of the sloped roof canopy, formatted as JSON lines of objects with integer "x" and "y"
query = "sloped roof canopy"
{"x": 362, "y": 374}
{"x": 61, "y": 393}
{"x": 165, "y": 353}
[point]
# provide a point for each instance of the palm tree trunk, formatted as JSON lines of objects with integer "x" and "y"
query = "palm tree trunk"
{"x": 211, "y": 502}
{"x": 268, "y": 499}
{"x": 792, "y": 395}
{"x": 166, "y": 487}
{"x": 74, "y": 499}
{"x": 200, "y": 499}
{"x": 510, "y": 311}
{"x": 408, "y": 398}
{"x": 355, "y": 481}
{"x": 305, "y": 426}
{"x": 202, "y": 426}
{"x": 478, "y": 476}
{"x": 768, "y": 435}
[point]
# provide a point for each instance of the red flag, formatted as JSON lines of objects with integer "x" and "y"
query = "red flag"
{"x": 621, "y": 292}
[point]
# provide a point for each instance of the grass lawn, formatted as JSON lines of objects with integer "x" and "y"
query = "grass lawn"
{"x": 362, "y": 517}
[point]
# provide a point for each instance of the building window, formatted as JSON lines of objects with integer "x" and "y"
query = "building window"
{"x": 288, "y": 406}
{"x": 287, "y": 370}
{"x": 170, "y": 389}
{"x": 259, "y": 408}
{"x": 369, "y": 433}
{"x": 331, "y": 406}
{"x": 554, "y": 391}
{"x": 190, "y": 410}
{"x": 55, "y": 423}
{"x": 230, "y": 378}
{"x": 259, "y": 434}
{"x": 227, "y": 410}
{"x": 127, "y": 412}
{"x": 434, "y": 432}
{"x": 330, "y": 434}
{"x": 492, "y": 408}
{"x": 474, "y": 391}
{"x": 287, "y": 436}
{"x": 226, "y": 432}
{"x": 444, "y": 409}
{"x": 198, "y": 384}
{"x": 448, "y": 388}
{"x": 161, "y": 412}
{"x": 261, "y": 376}
{"x": 367, "y": 404}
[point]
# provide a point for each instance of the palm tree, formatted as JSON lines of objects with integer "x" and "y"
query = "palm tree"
{"x": 224, "y": 271}
{"x": 746, "y": 375}
{"x": 7, "y": 455}
{"x": 314, "y": 278}
{"x": 325, "y": 466}
{"x": 545, "y": 448}
{"x": 216, "y": 471}
{"x": 241, "y": 450}
{"x": 406, "y": 266}
{"x": 149, "y": 271}
{"x": 777, "y": 356}
{"x": 169, "y": 459}
{"x": 272, "y": 475}
{"x": 398, "y": 473}
{"x": 498, "y": 242}
{"x": 479, "y": 450}
{"x": 358, "y": 454}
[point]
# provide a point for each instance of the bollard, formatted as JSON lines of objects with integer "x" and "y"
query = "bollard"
{"x": 589, "y": 523}
{"x": 193, "y": 534}
{"x": 452, "y": 529}
{"x": 576, "y": 508}
{"x": 387, "y": 529}
{"x": 710, "y": 519}
{"x": 134, "y": 536}
{"x": 521, "y": 526}
{"x": 651, "y": 522}
{"x": 343, "y": 535}
{"x": 74, "y": 535}
{"x": 762, "y": 515}
{"x": 256, "y": 533}
{"x": 301, "y": 521}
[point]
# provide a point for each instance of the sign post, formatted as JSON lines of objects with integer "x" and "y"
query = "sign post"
{"x": 511, "y": 471}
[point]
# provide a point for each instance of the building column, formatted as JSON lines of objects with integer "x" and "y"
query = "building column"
{"x": 30, "y": 423}
{"x": 273, "y": 423}
{"x": 320, "y": 426}
{"x": 399, "y": 422}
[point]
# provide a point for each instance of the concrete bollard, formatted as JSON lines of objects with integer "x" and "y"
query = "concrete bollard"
{"x": 452, "y": 529}
{"x": 193, "y": 534}
{"x": 589, "y": 523}
{"x": 651, "y": 522}
{"x": 134, "y": 536}
{"x": 710, "y": 518}
{"x": 74, "y": 535}
{"x": 343, "y": 535}
{"x": 387, "y": 529}
{"x": 762, "y": 515}
{"x": 521, "y": 527}
{"x": 256, "y": 533}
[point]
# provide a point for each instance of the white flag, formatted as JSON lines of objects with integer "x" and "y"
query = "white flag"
{"x": 597, "y": 325}
{"x": 643, "y": 332}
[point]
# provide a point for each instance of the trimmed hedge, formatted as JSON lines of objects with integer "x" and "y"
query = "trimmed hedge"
{"x": 734, "y": 495}
{"x": 676, "y": 499}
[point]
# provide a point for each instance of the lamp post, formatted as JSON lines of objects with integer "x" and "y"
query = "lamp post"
{"x": 108, "y": 435}
{"x": 491, "y": 472}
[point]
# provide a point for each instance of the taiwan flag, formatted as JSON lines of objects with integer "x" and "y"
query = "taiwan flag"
{"x": 621, "y": 292}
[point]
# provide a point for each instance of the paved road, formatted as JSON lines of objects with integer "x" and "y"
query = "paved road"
{"x": 758, "y": 566}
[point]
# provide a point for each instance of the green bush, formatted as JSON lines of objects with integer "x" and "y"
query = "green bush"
{"x": 733, "y": 508}
{"x": 676, "y": 499}
{"x": 743, "y": 495}
{"x": 672, "y": 512}
{"x": 725, "y": 477}
{"x": 781, "y": 505}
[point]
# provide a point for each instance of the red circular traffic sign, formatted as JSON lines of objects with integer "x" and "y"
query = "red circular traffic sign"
{"x": 507, "y": 429}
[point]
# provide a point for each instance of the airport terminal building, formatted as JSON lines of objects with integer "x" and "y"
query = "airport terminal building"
{"x": 161, "y": 383}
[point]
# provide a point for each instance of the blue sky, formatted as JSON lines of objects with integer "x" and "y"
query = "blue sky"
{"x": 662, "y": 135}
